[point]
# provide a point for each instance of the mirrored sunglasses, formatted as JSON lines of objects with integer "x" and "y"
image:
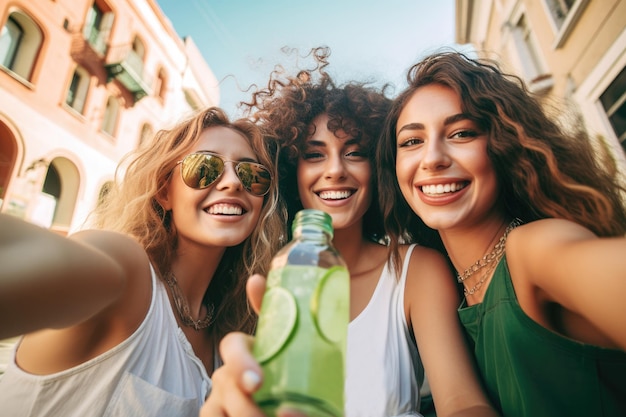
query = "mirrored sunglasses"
{"x": 201, "y": 169}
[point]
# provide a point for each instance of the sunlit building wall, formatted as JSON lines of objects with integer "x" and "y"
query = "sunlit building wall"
{"x": 571, "y": 52}
{"x": 82, "y": 83}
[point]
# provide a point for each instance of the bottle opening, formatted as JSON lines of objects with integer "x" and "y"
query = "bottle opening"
{"x": 315, "y": 218}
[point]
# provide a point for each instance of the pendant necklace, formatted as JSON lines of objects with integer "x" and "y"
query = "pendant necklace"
{"x": 491, "y": 259}
{"x": 183, "y": 307}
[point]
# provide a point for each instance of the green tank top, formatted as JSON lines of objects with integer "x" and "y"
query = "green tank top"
{"x": 531, "y": 371}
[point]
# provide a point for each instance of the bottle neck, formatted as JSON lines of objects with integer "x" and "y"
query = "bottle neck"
{"x": 311, "y": 233}
{"x": 310, "y": 224}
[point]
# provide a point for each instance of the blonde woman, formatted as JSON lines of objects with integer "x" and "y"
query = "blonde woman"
{"x": 125, "y": 319}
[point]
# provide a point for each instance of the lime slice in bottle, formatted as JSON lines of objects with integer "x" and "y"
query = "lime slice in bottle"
{"x": 277, "y": 320}
{"x": 331, "y": 300}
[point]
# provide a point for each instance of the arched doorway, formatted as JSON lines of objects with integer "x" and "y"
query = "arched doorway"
{"x": 8, "y": 158}
{"x": 63, "y": 182}
{"x": 53, "y": 205}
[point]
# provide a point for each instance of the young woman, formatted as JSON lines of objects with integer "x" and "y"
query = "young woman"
{"x": 533, "y": 224}
{"x": 326, "y": 136}
{"x": 125, "y": 319}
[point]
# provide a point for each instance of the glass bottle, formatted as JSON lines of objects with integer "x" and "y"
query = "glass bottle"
{"x": 303, "y": 324}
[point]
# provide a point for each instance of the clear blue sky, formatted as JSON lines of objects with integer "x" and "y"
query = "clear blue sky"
{"x": 370, "y": 40}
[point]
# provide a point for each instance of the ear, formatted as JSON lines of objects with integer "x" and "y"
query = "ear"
{"x": 163, "y": 198}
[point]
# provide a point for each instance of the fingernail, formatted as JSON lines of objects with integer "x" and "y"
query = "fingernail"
{"x": 250, "y": 380}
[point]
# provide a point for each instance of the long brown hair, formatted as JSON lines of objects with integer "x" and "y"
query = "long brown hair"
{"x": 131, "y": 207}
{"x": 543, "y": 171}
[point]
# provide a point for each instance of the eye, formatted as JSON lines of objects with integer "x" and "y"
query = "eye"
{"x": 413, "y": 141}
{"x": 465, "y": 134}
{"x": 312, "y": 156}
{"x": 356, "y": 154}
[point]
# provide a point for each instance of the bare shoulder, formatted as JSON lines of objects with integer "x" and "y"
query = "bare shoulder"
{"x": 108, "y": 241}
{"x": 431, "y": 297}
{"x": 532, "y": 248}
{"x": 123, "y": 249}
{"x": 429, "y": 277}
{"x": 134, "y": 263}
{"x": 425, "y": 261}
{"x": 545, "y": 233}
{"x": 101, "y": 282}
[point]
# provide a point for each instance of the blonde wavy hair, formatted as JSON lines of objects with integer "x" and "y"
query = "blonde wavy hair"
{"x": 131, "y": 207}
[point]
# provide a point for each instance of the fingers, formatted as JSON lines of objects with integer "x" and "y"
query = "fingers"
{"x": 228, "y": 399}
{"x": 211, "y": 408}
{"x": 236, "y": 351}
{"x": 255, "y": 288}
{"x": 235, "y": 381}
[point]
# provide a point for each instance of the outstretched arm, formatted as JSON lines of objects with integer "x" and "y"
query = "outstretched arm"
{"x": 49, "y": 281}
{"x": 568, "y": 265}
{"x": 433, "y": 301}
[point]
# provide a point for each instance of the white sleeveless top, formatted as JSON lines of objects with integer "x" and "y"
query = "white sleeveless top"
{"x": 383, "y": 366}
{"x": 152, "y": 373}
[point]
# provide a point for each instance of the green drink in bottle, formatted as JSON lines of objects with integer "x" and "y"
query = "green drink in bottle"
{"x": 303, "y": 324}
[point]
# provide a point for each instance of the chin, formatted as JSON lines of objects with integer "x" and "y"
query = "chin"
{"x": 437, "y": 222}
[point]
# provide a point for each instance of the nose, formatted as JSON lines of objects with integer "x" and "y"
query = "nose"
{"x": 335, "y": 167}
{"x": 229, "y": 178}
{"x": 435, "y": 153}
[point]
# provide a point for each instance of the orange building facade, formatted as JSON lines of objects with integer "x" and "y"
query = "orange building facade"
{"x": 82, "y": 83}
{"x": 573, "y": 51}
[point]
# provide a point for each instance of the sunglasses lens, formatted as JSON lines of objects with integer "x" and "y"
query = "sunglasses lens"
{"x": 201, "y": 170}
{"x": 255, "y": 178}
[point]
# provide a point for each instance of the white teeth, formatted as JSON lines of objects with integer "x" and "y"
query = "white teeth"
{"x": 229, "y": 209}
{"x": 439, "y": 189}
{"x": 335, "y": 195}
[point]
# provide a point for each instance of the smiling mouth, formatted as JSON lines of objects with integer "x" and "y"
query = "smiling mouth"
{"x": 335, "y": 195}
{"x": 441, "y": 189}
{"x": 225, "y": 209}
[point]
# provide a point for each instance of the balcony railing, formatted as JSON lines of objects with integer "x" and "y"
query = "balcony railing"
{"x": 124, "y": 65}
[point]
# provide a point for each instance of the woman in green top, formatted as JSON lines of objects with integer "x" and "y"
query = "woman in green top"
{"x": 534, "y": 224}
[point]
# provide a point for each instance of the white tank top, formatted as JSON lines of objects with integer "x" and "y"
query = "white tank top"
{"x": 383, "y": 367}
{"x": 152, "y": 373}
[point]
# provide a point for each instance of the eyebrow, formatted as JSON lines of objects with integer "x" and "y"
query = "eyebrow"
{"x": 447, "y": 121}
{"x": 314, "y": 142}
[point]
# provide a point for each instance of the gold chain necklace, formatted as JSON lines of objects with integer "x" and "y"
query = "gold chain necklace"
{"x": 183, "y": 307}
{"x": 492, "y": 259}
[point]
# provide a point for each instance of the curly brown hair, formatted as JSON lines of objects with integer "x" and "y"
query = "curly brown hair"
{"x": 543, "y": 171}
{"x": 286, "y": 108}
{"x": 131, "y": 207}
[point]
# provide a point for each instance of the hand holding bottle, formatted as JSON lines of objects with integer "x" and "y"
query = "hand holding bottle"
{"x": 240, "y": 376}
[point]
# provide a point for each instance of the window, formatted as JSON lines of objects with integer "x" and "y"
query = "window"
{"x": 614, "y": 103}
{"x": 111, "y": 113}
{"x": 104, "y": 192}
{"x": 10, "y": 38}
{"x": 602, "y": 95}
{"x": 146, "y": 133}
{"x": 77, "y": 91}
{"x": 20, "y": 40}
{"x": 92, "y": 24}
{"x": 98, "y": 23}
{"x": 136, "y": 56}
{"x": 565, "y": 14}
{"x": 160, "y": 84}
{"x": 532, "y": 64}
{"x": 559, "y": 10}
